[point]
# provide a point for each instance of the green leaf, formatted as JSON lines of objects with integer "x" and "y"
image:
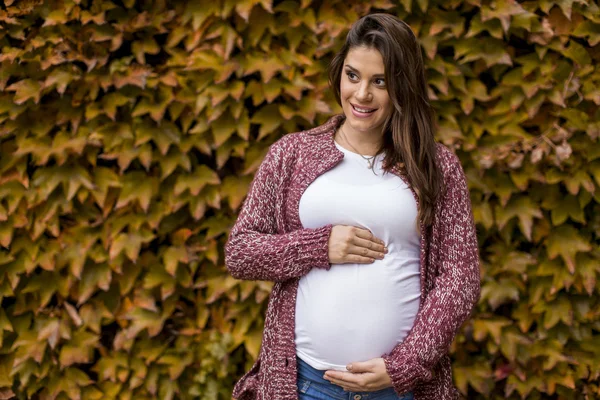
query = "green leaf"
{"x": 5, "y": 324}
{"x": 500, "y": 292}
{"x": 521, "y": 207}
{"x": 589, "y": 269}
{"x": 60, "y": 79}
{"x": 93, "y": 277}
{"x": 565, "y": 241}
{"x": 269, "y": 119}
{"x": 567, "y": 207}
{"x": 79, "y": 350}
{"x": 268, "y": 66}
{"x": 577, "y": 53}
{"x": 172, "y": 256}
{"x": 136, "y": 185}
{"x": 131, "y": 243}
{"x": 55, "y": 17}
{"x": 216, "y": 226}
{"x": 222, "y": 129}
{"x": 196, "y": 181}
{"x": 235, "y": 190}
{"x": 493, "y": 327}
{"x": 558, "y": 310}
{"x": 578, "y": 180}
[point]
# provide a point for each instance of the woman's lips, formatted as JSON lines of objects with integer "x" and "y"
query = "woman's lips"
{"x": 362, "y": 114}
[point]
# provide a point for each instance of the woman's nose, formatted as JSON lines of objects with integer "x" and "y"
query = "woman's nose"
{"x": 362, "y": 93}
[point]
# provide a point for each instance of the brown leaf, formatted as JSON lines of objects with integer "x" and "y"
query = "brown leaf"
{"x": 72, "y": 311}
{"x": 563, "y": 151}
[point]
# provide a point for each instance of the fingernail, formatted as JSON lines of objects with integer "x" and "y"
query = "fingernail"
{"x": 349, "y": 367}
{"x": 386, "y": 249}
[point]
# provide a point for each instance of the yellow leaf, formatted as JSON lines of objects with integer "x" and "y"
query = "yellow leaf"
{"x": 235, "y": 190}
{"x": 172, "y": 256}
{"x": 25, "y": 90}
{"x": 521, "y": 207}
{"x": 196, "y": 181}
{"x": 56, "y": 17}
{"x": 269, "y": 119}
{"x": 252, "y": 342}
{"x": 268, "y": 66}
{"x": 5, "y": 324}
{"x": 566, "y": 242}
{"x": 222, "y": 129}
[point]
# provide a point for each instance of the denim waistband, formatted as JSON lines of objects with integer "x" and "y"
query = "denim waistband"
{"x": 308, "y": 373}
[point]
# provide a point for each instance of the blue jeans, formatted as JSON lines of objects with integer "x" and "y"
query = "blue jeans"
{"x": 312, "y": 386}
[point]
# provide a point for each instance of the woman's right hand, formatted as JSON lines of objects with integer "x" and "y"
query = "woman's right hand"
{"x": 350, "y": 244}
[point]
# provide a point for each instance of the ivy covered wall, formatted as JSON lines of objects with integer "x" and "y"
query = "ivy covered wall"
{"x": 130, "y": 131}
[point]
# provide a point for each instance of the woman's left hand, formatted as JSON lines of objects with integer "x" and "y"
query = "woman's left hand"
{"x": 367, "y": 376}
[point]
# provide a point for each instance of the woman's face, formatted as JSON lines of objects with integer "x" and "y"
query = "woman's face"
{"x": 365, "y": 100}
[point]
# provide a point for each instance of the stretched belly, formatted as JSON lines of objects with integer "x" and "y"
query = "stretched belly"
{"x": 356, "y": 312}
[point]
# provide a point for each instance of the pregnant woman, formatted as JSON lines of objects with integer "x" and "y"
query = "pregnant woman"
{"x": 364, "y": 224}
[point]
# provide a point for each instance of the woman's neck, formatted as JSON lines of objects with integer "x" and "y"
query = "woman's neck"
{"x": 365, "y": 144}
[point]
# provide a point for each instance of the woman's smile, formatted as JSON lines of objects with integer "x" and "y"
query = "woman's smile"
{"x": 362, "y": 112}
{"x": 365, "y": 99}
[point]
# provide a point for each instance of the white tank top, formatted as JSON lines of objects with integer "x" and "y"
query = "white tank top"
{"x": 356, "y": 312}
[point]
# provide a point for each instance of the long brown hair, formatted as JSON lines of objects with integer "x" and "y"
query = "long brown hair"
{"x": 408, "y": 139}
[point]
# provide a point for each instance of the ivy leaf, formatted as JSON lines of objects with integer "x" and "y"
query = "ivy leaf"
{"x": 521, "y": 207}
{"x": 484, "y": 327}
{"x": 565, "y": 241}
{"x": 235, "y": 189}
{"x": 499, "y": 292}
{"x": 216, "y": 226}
{"x": 93, "y": 277}
{"x": 55, "y": 17}
{"x": 268, "y": 118}
{"x": 5, "y": 324}
{"x": 172, "y": 256}
{"x": 578, "y": 180}
{"x": 567, "y": 207}
{"x": 137, "y": 186}
{"x": 130, "y": 242}
{"x": 26, "y": 89}
{"x": 79, "y": 350}
{"x": 196, "y": 181}
{"x": 59, "y": 78}
{"x": 222, "y": 129}
{"x": 588, "y": 268}
{"x": 558, "y": 310}
{"x": 267, "y": 66}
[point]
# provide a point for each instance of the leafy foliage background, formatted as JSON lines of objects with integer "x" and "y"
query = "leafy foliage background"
{"x": 130, "y": 131}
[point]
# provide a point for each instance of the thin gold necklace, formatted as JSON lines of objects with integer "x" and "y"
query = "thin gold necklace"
{"x": 368, "y": 159}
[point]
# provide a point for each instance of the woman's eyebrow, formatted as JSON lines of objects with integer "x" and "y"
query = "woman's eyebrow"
{"x": 355, "y": 70}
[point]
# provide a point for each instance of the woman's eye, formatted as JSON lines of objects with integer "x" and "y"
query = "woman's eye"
{"x": 380, "y": 82}
{"x": 351, "y": 75}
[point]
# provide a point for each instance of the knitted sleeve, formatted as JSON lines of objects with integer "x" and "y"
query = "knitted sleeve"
{"x": 455, "y": 291}
{"x": 255, "y": 250}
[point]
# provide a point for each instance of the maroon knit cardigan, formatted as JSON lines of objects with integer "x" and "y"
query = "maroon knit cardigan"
{"x": 269, "y": 243}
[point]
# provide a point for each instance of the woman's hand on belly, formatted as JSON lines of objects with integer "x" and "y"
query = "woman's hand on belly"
{"x": 367, "y": 376}
{"x": 350, "y": 244}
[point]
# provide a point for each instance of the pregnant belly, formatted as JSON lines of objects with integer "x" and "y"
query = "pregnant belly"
{"x": 355, "y": 312}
